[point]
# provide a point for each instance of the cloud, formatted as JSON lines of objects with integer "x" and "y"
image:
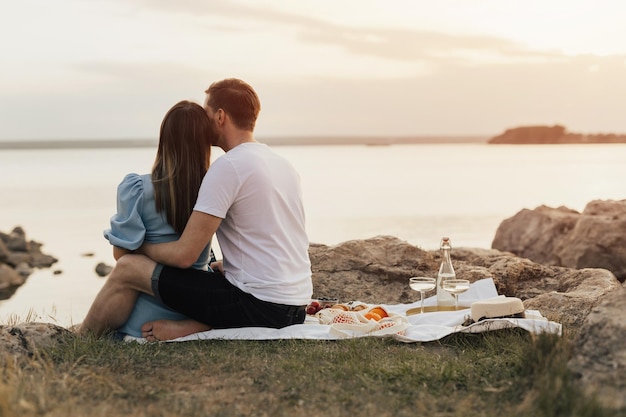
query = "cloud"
{"x": 410, "y": 45}
{"x": 385, "y": 43}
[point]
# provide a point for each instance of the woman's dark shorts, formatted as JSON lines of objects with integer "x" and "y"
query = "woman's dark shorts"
{"x": 209, "y": 298}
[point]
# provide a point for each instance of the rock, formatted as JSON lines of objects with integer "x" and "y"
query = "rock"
{"x": 534, "y": 234}
{"x": 24, "y": 269}
{"x": 16, "y": 240}
{"x": 598, "y": 240}
{"x": 580, "y": 292}
{"x": 595, "y": 238}
{"x": 4, "y": 251}
{"x": 20, "y": 257}
{"x": 377, "y": 270}
{"x": 41, "y": 260}
{"x": 9, "y": 278}
{"x": 103, "y": 269}
{"x": 26, "y": 338}
{"x": 371, "y": 270}
{"x": 599, "y": 354}
{"x": 33, "y": 256}
{"x": 15, "y": 249}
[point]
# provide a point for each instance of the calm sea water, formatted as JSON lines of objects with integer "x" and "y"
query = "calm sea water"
{"x": 419, "y": 193}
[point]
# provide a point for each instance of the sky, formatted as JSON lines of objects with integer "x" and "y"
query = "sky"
{"x": 78, "y": 69}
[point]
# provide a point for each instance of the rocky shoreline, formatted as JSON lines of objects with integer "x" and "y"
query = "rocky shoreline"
{"x": 581, "y": 290}
{"x": 18, "y": 258}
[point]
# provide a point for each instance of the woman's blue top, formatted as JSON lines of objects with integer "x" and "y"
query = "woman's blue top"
{"x": 136, "y": 222}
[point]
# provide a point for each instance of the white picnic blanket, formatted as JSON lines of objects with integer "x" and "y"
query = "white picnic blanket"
{"x": 425, "y": 327}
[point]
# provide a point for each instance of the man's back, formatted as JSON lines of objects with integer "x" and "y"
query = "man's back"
{"x": 262, "y": 235}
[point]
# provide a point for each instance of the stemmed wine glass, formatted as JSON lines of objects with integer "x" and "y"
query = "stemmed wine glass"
{"x": 456, "y": 287}
{"x": 422, "y": 284}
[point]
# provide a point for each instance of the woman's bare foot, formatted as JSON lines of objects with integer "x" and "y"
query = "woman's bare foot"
{"x": 159, "y": 330}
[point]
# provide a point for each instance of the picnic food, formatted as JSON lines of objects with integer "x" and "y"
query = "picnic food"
{"x": 380, "y": 311}
{"x": 499, "y": 307}
{"x": 313, "y": 307}
{"x": 316, "y": 306}
{"x": 372, "y": 316}
{"x": 326, "y": 302}
{"x": 321, "y": 303}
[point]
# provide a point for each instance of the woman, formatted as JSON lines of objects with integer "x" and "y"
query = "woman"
{"x": 155, "y": 207}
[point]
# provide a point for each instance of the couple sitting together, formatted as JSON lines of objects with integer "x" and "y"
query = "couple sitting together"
{"x": 166, "y": 283}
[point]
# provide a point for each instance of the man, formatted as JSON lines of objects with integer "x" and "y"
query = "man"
{"x": 252, "y": 198}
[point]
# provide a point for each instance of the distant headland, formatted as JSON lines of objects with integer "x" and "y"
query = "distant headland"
{"x": 544, "y": 135}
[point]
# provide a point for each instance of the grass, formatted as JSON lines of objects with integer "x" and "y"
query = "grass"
{"x": 502, "y": 373}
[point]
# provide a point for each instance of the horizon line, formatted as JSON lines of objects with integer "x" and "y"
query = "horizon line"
{"x": 269, "y": 140}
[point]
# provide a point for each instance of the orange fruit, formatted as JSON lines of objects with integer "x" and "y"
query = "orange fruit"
{"x": 379, "y": 311}
{"x": 372, "y": 316}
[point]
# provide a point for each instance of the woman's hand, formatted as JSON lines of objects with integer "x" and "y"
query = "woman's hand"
{"x": 217, "y": 266}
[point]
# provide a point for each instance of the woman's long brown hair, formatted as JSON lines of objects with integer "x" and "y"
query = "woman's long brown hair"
{"x": 182, "y": 159}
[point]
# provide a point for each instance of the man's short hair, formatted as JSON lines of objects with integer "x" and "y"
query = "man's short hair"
{"x": 238, "y": 99}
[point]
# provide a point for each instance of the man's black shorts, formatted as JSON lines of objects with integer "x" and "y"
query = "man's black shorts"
{"x": 209, "y": 298}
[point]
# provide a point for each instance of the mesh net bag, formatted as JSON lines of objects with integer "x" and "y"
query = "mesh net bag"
{"x": 332, "y": 315}
{"x": 355, "y": 324}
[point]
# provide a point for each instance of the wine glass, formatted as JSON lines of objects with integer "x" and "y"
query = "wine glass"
{"x": 422, "y": 284}
{"x": 456, "y": 287}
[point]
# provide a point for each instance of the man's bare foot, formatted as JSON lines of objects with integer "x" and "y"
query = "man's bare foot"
{"x": 159, "y": 330}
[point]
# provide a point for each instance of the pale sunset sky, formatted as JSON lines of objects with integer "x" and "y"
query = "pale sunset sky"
{"x": 78, "y": 69}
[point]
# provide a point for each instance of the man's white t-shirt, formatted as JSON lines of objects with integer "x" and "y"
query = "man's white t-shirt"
{"x": 262, "y": 235}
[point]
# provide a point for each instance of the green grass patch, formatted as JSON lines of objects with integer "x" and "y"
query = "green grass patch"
{"x": 502, "y": 373}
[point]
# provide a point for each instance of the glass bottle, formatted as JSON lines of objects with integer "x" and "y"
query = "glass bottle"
{"x": 446, "y": 271}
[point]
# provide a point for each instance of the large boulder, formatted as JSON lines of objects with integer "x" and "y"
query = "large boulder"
{"x": 595, "y": 238}
{"x": 536, "y": 234}
{"x": 599, "y": 239}
{"x": 599, "y": 357}
{"x": 372, "y": 270}
{"x": 377, "y": 270}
